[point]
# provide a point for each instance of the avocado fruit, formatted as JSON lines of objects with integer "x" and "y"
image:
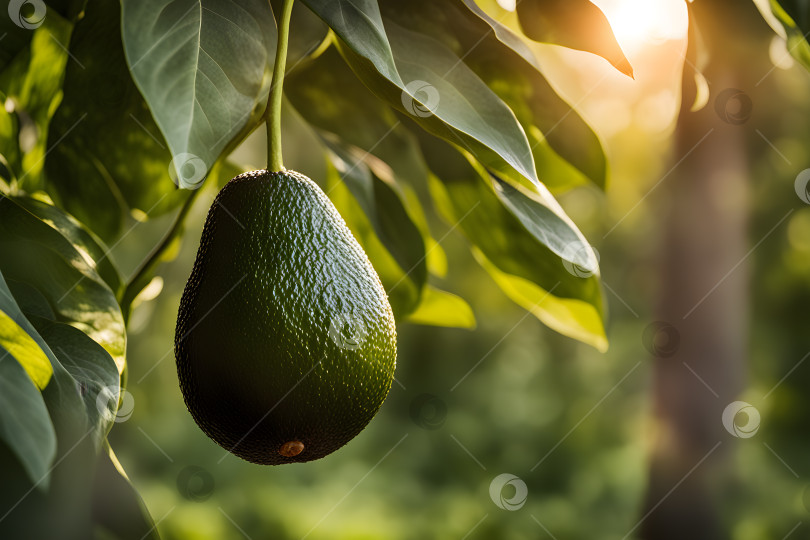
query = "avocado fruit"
{"x": 285, "y": 340}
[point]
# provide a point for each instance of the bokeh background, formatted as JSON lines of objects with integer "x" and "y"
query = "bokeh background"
{"x": 511, "y": 396}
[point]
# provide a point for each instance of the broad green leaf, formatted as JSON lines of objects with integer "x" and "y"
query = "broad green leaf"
{"x": 9, "y": 144}
{"x": 118, "y": 510}
{"x": 107, "y": 151}
{"x": 92, "y": 249}
{"x": 420, "y": 76}
{"x": 24, "y": 422}
{"x": 536, "y": 250}
{"x": 33, "y": 81}
{"x": 203, "y": 67}
{"x": 576, "y": 24}
{"x": 566, "y": 151}
{"x": 91, "y": 369}
{"x": 359, "y": 24}
{"x": 441, "y": 308}
{"x": 33, "y": 252}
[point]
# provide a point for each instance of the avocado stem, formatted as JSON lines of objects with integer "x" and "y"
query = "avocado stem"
{"x": 273, "y": 118}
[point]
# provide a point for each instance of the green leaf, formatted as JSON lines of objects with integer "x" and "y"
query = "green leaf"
{"x": 92, "y": 369}
{"x": 420, "y": 76}
{"x": 82, "y": 239}
{"x": 524, "y": 240}
{"x": 118, "y": 510}
{"x": 359, "y": 24}
{"x": 203, "y": 67}
{"x": 24, "y": 422}
{"x": 33, "y": 252}
{"x": 566, "y": 151}
{"x": 441, "y": 308}
{"x": 107, "y": 151}
{"x": 576, "y": 24}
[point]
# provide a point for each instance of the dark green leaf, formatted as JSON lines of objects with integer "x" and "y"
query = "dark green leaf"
{"x": 82, "y": 239}
{"x": 33, "y": 252}
{"x": 534, "y": 253}
{"x": 420, "y": 76}
{"x": 203, "y": 67}
{"x": 358, "y": 23}
{"x": 566, "y": 151}
{"x": 576, "y": 24}
{"x": 108, "y": 154}
{"x": 24, "y": 422}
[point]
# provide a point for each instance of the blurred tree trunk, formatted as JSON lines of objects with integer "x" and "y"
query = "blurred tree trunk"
{"x": 704, "y": 284}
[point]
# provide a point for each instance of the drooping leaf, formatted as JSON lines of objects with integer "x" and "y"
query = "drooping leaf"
{"x": 576, "y": 24}
{"x": 566, "y": 151}
{"x": 441, "y": 308}
{"x": 203, "y": 67}
{"x": 82, "y": 239}
{"x": 420, "y": 76}
{"x": 358, "y": 22}
{"x": 532, "y": 250}
{"x": 24, "y": 422}
{"x": 107, "y": 151}
{"x": 34, "y": 252}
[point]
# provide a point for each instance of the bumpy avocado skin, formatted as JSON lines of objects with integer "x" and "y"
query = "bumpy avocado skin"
{"x": 260, "y": 341}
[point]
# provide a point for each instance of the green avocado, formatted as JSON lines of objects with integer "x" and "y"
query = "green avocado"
{"x": 285, "y": 340}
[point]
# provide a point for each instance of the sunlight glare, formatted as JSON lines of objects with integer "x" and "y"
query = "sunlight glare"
{"x": 639, "y": 23}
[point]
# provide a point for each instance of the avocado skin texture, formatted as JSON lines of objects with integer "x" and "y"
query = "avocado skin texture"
{"x": 258, "y": 331}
